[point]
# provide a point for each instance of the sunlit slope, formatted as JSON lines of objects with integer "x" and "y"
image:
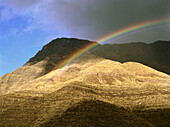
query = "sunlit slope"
{"x": 55, "y": 98}
{"x": 133, "y": 81}
{"x": 22, "y": 75}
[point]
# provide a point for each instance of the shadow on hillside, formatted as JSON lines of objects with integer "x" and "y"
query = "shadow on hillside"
{"x": 159, "y": 117}
{"x": 155, "y": 55}
{"x": 95, "y": 113}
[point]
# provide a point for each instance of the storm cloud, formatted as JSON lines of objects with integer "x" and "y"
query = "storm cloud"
{"x": 90, "y": 19}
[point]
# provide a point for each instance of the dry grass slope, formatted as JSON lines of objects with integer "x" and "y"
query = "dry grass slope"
{"x": 91, "y": 92}
{"x": 95, "y": 113}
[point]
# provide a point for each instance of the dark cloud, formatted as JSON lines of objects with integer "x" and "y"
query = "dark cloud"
{"x": 92, "y": 19}
{"x": 104, "y": 17}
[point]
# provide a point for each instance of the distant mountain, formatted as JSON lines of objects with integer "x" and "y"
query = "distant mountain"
{"x": 155, "y": 55}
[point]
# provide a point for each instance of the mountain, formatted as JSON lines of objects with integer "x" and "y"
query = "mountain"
{"x": 42, "y": 63}
{"x": 91, "y": 91}
{"x": 155, "y": 55}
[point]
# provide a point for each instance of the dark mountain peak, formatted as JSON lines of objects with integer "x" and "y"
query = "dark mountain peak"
{"x": 67, "y": 41}
{"x": 60, "y": 48}
{"x": 56, "y": 51}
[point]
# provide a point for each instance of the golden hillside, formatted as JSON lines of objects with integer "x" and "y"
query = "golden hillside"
{"x": 92, "y": 91}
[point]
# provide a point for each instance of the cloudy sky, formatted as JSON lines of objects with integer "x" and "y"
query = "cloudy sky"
{"x": 26, "y": 25}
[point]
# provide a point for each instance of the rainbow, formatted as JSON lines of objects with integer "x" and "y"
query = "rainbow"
{"x": 112, "y": 36}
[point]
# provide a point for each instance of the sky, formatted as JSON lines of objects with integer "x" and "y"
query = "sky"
{"x": 27, "y": 25}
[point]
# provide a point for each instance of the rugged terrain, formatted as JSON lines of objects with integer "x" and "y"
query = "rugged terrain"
{"x": 92, "y": 91}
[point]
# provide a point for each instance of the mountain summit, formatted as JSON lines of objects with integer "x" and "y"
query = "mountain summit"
{"x": 56, "y": 51}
